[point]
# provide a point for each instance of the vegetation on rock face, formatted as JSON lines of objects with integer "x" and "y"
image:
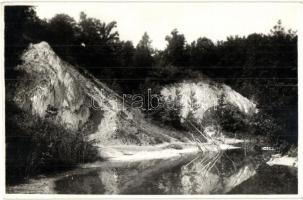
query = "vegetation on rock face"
{"x": 170, "y": 113}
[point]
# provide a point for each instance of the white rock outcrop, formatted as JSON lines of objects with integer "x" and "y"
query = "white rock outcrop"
{"x": 207, "y": 96}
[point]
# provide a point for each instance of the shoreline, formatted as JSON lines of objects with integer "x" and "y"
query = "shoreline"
{"x": 133, "y": 153}
{"x": 128, "y": 155}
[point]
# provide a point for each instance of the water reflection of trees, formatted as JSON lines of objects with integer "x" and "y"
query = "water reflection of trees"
{"x": 212, "y": 173}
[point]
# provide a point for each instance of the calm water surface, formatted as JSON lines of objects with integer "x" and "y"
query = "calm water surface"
{"x": 233, "y": 171}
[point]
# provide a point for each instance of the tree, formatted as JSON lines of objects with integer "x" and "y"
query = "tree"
{"x": 125, "y": 59}
{"x": 93, "y": 30}
{"x": 99, "y": 45}
{"x": 193, "y": 107}
{"x": 20, "y": 22}
{"x": 202, "y": 53}
{"x": 62, "y": 30}
{"x": 278, "y": 29}
{"x": 176, "y": 52}
{"x": 170, "y": 113}
{"x": 143, "y": 53}
{"x": 127, "y": 52}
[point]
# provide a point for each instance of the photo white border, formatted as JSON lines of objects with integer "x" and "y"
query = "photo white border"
{"x": 76, "y": 197}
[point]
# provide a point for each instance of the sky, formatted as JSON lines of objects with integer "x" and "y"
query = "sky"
{"x": 212, "y": 20}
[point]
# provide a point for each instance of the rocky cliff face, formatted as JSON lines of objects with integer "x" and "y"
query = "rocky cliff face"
{"x": 50, "y": 84}
{"x": 53, "y": 89}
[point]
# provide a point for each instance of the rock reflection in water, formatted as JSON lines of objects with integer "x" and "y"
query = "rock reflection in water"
{"x": 216, "y": 173}
{"x": 212, "y": 173}
{"x": 118, "y": 180}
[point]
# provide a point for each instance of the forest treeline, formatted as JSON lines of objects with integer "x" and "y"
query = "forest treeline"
{"x": 260, "y": 66}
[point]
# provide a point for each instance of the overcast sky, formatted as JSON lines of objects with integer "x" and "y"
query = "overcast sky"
{"x": 213, "y": 20}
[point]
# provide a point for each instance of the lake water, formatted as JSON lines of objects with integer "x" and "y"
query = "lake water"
{"x": 229, "y": 172}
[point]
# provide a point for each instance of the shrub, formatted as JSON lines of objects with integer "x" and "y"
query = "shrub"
{"x": 170, "y": 111}
{"x": 263, "y": 124}
{"x": 226, "y": 116}
{"x": 34, "y": 146}
{"x": 293, "y": 151}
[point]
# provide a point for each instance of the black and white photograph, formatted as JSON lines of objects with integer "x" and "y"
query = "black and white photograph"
{"x": 151, "y": 98}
